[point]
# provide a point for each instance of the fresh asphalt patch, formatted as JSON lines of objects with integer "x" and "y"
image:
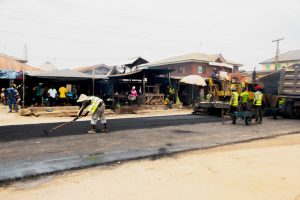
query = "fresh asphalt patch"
{"x": 32, "y": 131}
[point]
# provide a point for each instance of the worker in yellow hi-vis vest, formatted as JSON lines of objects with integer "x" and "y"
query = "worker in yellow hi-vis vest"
{"x": 257, "y": 104}
{"x": 244, "y": 99}
{"x": 234, "y": 103}
{"x": 96, "y": 107}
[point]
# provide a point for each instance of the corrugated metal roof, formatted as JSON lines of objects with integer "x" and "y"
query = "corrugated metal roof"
{"x": 192, "y": 57}
{"x": 47, "y": 66}
{"x": 14, "y": 58}
{"x": 9, "y": 63}
{"x": 287, "y": 56}
{"x": 87, "y": 68}
{"x": 133, "y": 62}
{"x": 62, "y": 74}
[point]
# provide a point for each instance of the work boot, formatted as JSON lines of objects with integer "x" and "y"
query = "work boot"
{"x": 105, "y": 130}
{"x": 92, "y": 131}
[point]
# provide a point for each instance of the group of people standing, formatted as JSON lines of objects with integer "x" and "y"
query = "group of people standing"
{"x": 242, "y": 101}
{"x": 53, "y": 97}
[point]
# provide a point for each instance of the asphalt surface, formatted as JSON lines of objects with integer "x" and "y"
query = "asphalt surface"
{"x": 25, "y": 151}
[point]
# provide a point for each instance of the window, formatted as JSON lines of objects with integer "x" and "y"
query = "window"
{"x": 200, "y": 69}
{"x": 267, "y": 66}
{"x": 278, "y": 66}
{"x": 181, "y": 69}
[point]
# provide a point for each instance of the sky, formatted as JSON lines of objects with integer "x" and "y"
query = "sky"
{"x": 74, "y": 33}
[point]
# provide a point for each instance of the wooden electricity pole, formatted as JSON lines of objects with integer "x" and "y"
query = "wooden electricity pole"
{"x": 277, "y": 51}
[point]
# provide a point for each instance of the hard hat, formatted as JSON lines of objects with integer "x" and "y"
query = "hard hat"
{"x": 83, "y": 98}
{"x": 258, "y": 87}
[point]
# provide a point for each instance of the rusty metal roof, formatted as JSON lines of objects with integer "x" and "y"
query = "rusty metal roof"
{"x": 9, "y": 63}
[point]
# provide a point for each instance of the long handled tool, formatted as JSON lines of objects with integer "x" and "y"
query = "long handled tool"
{"x": 47, "y": 132}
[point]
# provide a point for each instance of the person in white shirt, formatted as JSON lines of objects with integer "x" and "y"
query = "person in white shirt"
{"x": 52, "y": 93}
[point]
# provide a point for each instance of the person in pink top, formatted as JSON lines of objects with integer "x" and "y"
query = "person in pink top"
{"x": 133, "y": 91}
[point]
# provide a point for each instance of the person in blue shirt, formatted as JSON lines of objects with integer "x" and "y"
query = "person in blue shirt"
{"x": 11, "y": 96}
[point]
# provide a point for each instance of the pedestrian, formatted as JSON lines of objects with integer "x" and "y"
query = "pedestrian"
{"x": 2, "y": 96}
{"x": 62, "y": 95}
{"x": 52, "y": 93}
{"x": 11, "y": 96}
{"x": 245, "y": 99}
{"x": 74, "y": 92}
{"x": 234, "y": 103}
{"x": 257, "y": 104}
{"x": 38, "y": 91}
{"x": 133, "y": 91}
{"x": 45, "y": 97}
{"x": 96, "y": 107}
{"x": 167, "y": 102}
{"x": 17, "y": 94}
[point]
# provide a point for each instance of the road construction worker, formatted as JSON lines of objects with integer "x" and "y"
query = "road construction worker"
{"x": 234, "y": 103}
{"x": 281, "y": 102}
{"x": 257, "y": 104}
{"x": 244, "y": 99}
{"x": 96, "y": 107}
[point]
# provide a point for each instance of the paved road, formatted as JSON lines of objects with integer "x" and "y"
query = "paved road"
{"x": 25, "y": 151}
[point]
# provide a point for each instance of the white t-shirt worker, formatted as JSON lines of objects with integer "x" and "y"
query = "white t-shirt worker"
{"x": 52, "y": 92}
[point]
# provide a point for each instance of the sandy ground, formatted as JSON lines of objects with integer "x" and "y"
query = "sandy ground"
{"x": 266, "y": 169}
{"x": 15, "y": 119}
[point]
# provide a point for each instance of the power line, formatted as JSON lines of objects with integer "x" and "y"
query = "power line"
{"x": 71, "y": 40}
{"x": 96, "y": 29}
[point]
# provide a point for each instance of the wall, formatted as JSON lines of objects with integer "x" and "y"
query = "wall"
{"x": 191, "y": 68}
{"x": 271, "y": 66}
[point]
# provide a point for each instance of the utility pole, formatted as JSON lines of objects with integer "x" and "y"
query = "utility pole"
{"x": 23, "y": 73}
{"x": 277, "y": 51}
{"x": 93, "y": 79}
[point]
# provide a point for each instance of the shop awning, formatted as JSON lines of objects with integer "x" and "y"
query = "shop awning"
{"x": 68, "y": 75}
{"x": 220, "y": 64}
{"x": 138, "y": 74}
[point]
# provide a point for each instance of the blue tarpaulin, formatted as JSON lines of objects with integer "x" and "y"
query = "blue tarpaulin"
{"x": 10, "y": 74}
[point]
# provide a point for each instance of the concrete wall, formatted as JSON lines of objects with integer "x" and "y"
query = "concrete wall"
{"x": 191, "y": 68}
{"x": 271, "y": 66}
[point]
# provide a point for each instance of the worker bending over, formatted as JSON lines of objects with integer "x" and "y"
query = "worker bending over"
{"x": 234, "y": 103}
{"x": 96, "y": 107}
{"x": 257, "y": 103}
{"x": 244, "y": 99}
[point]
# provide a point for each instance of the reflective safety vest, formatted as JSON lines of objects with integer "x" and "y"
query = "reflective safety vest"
{"x": 281, "y": 101}
{"x": 258, "y": 96}
{"x": 245, "y": 97}
{"x": 234, "y": 100}
{"x": 95, "y": 102}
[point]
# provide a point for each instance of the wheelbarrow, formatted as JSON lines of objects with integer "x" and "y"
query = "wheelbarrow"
{"x": 244, "y": 116}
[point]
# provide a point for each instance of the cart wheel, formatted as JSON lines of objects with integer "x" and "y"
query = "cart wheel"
{"x": 248, "y": 120}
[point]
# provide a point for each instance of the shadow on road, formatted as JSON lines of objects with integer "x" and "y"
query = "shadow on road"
{"x": 31, "y": 131}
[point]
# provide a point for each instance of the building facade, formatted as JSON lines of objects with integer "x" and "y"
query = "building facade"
{"x": 284, "y": 60}
{"x": 196, "y": 64}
